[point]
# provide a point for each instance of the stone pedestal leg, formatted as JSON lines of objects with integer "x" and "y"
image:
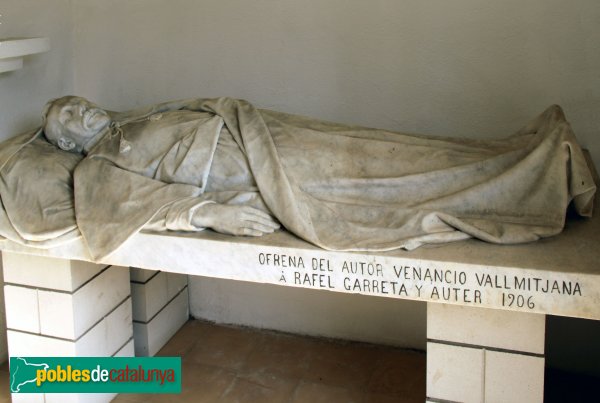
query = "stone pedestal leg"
{"x": 484, "y": 355}
{"x": 59, "y": 307}
{"x": 160, "y": 308}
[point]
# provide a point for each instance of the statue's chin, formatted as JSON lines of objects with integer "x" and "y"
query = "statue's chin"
{"x": 95, "y": 120}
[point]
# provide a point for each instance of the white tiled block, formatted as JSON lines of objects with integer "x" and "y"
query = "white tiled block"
{"x": 108, "y": 335}
{"x": 513, "y": 378}
{"x": 175, "y": 283}
{"x": 150, "y": 297}
{"x": 141, "y": 342}
{"x": 454, "y": 373}
{"x": 27, "y": 397}
{"x": 56, "y": 314}
{"x": 126, "y": 351}
{"x": 102, "y": 340}
{"x": 32, "y": 345}
{"x": 47, "y": 272}
{"x": 119, "y": 328}
{"x": 141, "y": 275}
{"x": 486, "y": 327}
{"x": 70, "y": 315}
{"x": 151, "y": 337}
{"x": 100, "y": 296}
{"x": 22, "y": 308}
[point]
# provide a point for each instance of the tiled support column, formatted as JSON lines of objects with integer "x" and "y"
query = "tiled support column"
{"x": 59, "y": 307}
{"x": 160, "y": 308}
{"x": 484, "y": 355}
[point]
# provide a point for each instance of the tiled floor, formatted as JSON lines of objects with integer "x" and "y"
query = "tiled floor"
{"x": 230, "y": 364}
{"x": 227, "y": 364}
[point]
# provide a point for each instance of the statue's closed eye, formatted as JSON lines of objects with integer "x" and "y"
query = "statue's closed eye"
{"x": 66, "y": 116}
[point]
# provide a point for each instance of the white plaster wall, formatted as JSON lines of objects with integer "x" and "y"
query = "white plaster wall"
{"x": 24, "y": 92}
{"x": 311, "y": 312}
{"x": 462, "y": 67}
{"x": 458, "y": 68}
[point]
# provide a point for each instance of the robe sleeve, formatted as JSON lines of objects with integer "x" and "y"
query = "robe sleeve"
{"x": 112, "y": 204}
{"x": 177, "y": 216}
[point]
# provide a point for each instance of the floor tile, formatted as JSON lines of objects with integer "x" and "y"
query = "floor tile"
{"x": 313, "y": 392}
{"x": 4, "y": 384}
{"x": 399, "y": 372}
{"x": 224, "y": 347}
{"x": 337, "y": 364}
{"x": 260, "y": 387}
{"x": 386, "y": 398}
{"x": 204, "y": 383}
{"x": 283, "y": 355}
{"x": 184, "y": 340}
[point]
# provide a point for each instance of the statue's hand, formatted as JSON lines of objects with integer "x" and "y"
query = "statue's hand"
{"x": 234, "y": 220}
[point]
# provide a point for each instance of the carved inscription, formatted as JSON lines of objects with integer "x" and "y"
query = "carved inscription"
{"x": 429, "y": 282}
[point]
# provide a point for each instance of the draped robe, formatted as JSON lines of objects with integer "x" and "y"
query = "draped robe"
{"x": 338, "y": 187}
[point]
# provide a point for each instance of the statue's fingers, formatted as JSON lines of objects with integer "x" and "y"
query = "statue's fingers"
{"x": 258, "y": 226}
{"x": 263, "y": 219}
{"x": 259, "y": 213}
{"x": 251, "y": 232}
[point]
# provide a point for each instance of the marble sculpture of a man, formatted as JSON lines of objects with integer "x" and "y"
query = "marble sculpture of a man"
{"x": 226, "y": 165}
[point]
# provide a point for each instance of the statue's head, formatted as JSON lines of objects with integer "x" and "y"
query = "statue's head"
{"x": 73, "y": 123}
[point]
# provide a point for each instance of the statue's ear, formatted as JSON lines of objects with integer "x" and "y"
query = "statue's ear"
{"x": 66, "y": 144}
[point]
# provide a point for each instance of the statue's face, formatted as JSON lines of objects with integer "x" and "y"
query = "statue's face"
{"x": 72, "y": 123}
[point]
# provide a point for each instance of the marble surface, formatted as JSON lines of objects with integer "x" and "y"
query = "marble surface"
{"x": 18, "y": 47}
{"x": 558, "y": 275}
{"x": 12, "y": 51}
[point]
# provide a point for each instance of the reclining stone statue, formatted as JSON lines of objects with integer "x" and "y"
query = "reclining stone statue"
{"x": 226, "y": 165}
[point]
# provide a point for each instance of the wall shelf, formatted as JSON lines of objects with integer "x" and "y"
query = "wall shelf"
{"x": 12, "y": 51}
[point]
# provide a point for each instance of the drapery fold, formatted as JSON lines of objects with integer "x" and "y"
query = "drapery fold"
{"x": 350, "y": 188}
